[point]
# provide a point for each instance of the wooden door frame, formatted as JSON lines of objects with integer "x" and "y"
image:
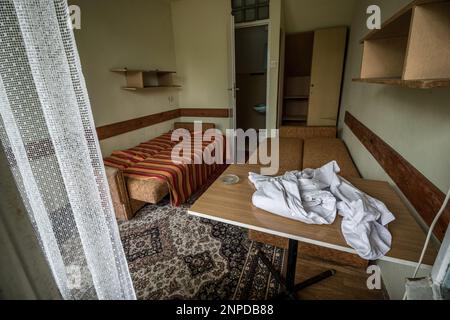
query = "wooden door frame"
{"x": 252, "y": 24}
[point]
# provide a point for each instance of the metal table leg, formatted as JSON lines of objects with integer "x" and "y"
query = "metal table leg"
{"x": 288, "y": 285}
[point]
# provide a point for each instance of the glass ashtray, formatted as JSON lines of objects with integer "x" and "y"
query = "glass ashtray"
{"x": 230, "y": 179}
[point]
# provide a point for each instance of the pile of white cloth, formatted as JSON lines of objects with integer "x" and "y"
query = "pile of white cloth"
{"x": 316, "y": 196}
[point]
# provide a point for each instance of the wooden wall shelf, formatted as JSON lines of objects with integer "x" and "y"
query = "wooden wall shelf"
{"x": 138, "y": 80}
{"x": 411, "y": 49}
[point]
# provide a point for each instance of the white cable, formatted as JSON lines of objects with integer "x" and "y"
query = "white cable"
{"x": 430, "y": 233}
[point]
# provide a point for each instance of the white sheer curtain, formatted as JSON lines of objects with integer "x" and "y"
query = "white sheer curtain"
{"x": 48, "y": 134}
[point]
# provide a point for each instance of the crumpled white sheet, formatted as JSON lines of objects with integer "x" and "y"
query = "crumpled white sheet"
{"x": 315, "y": 197}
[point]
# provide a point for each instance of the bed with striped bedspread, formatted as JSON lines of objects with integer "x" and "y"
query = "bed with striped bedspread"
{"x": 153, "y": 160}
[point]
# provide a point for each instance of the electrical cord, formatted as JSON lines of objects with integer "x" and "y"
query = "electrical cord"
{"x": 427, "y": 241}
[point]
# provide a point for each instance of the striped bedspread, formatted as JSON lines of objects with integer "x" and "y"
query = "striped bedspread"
{"x": 153, "y": 160}
{"x": 127, "y": 158}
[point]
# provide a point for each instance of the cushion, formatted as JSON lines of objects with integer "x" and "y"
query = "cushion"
{"x": 320, "y": 151}
{"x": 291, "y": 153}
{"x": 308, "y": 132}
{"x": 149, "y": 191}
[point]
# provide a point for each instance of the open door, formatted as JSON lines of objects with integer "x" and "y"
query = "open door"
{"x": 251, "y": 47}
{"x": 326, "y": 76}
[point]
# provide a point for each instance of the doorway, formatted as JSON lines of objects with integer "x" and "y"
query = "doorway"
{"x": 251, "y": 54}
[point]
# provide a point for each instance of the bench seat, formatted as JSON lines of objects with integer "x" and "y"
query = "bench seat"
{"x": 320, "y": 151}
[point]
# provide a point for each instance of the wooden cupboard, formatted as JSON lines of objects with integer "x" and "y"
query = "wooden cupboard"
{"x": 314, "y": 63}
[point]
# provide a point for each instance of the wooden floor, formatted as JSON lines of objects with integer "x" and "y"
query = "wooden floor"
{"x": 348, "y": 284}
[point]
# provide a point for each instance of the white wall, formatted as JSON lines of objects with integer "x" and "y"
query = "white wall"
{"x": 188, "y": 36}
{"x": 133, "y": 34}
{"x": 201, "y": 35}
{"x": 416, "y": 123}
{"x": 307, "y": 15}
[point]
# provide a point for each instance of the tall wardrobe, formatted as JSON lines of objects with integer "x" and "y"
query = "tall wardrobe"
{"x": 312, "y": 80}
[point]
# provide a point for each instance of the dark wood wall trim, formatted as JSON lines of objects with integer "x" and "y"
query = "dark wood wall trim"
{"x": 122, "y": 127}
{"x": 207, "y": 113}
{"x": 118, "y": 128}
{"x": 426, "y": 198}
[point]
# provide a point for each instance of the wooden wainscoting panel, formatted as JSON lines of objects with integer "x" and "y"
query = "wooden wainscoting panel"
{"x": 205, "y": 113}
{"x": 426, "y": 198}
{"x": 118, "y": 128}
{"x": 122, "y": 127}
{"x": 191, "y": 126}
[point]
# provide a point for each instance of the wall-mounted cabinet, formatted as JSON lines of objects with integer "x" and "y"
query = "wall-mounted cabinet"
{"x": 412, "y": 49}
{"x": 147, "y": 79}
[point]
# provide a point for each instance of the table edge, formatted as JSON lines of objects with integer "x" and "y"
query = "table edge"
{"x": 303, "y": 239}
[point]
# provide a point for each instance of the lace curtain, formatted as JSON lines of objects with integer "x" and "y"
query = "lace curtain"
{"x": 48, "y": 134}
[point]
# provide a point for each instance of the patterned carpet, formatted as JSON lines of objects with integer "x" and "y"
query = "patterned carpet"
{"x": 173, "y": 255}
